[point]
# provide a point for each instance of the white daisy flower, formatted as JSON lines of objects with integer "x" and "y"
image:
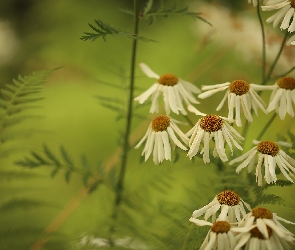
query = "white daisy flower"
{"x": 264, "y": 231}
{"x": 158, "y": 136}
{"x": 255, "y": 2}
{"x": 229, "y": 203}
{"x": 212, "y": 127}
{"x": 272, "y": 156}
{"x": 282, "y": 96}
{"x": 174, "y": 90}
{"x": 241, "y": 98}
{"x": 291, "y": 40}
{"x": 221, "y": 236}
{"x": 286, "y": 13}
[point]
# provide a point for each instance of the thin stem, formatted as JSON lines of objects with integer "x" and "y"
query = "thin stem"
{"x": 120, "y": 183}
{"x": 286, "y": 73}
{"x": 276, "y": 60}
{"x": 266, "y": 126}
{"x": 263, "y": 42}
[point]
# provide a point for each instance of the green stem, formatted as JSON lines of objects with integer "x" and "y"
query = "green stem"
{"x": 276, "y": 60}
{"x": 120, "y": 183}
{"x": 263, "y": 42}
{"x": 266, "y": 127}
{"x": 286, "y": 73}
{"x": 188, "y": 121}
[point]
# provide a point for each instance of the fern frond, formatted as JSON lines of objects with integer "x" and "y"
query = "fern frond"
{"x": 13, "y": 174}
{"x": 270, "y": 199}
{"x": 101, "y": 29}
{"x": 18, "y": 97}
{"x": 21, "y": 204}
{"x": 64, "y": 162}
{"x": 151, "y": 15}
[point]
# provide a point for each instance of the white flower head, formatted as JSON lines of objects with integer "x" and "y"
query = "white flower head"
{"x": 241, "y": 97}
{"x": 255, "y": 2}
{"x": 221, "y": 236}
{"x": 286, "y": 11}
{"x": 173, "y": 89}
{"x": 282, "y": 96}
{"x": 211, "y": 127}
{"x": 229, "y": 203}
{"x": 161, "y": 131}
{"x": 262, "y": 230}
{"x": 269, "y": 154}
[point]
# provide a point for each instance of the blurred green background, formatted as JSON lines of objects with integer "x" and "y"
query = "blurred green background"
{"x": 37, "y": 35}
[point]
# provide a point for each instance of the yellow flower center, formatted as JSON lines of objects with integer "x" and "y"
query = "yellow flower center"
{"x": 168, "y": 80}
{"x": 286, "y": 82}
{"x": 239, "y": 87}
{"x": 268, "y": 148}
{"x": 262, "y": 213}
{"x": 229, "y": 198}
{"x": 257, "y": 234}
{"x": 292, "y": 3}
{"x": 220, "y": 227}
{"x": 211, "y": 123}
{"x": 160, "y": 123}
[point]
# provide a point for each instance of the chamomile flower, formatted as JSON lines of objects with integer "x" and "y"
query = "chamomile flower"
{"x": 241, "y": 97}
{"x": 286, "y": 9}
{"x": 282, "y": 96}
{"x": 264, "y": 231}
{"x": 221, "y": 236}
{"x": 269, "y": 154}
{"x": 229, "y": 203}
{"x": 175, "y": 91}
{"x": 212, "y": 127}
{"x": 161, "y": 131}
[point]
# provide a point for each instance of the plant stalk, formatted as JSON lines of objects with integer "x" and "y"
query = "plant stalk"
{"x": 124, "y": 159}
{"x": 263, "y": 43}
{"x": 276, "y": 60}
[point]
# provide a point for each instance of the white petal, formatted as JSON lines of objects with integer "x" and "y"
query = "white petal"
{"x": 145, "y": 95}
{"x": 166, "y": 143}
{"x": 174, "y": 138}
{"x": 211, "y": 92}
{"x": 148, "y": 132}
{"x": 287, "y": 18}
{"x": 190, "y": 87}
{"x": 200, "y": 222}
{"x": 194, "y": 110}
{"x": 222, "y": 102}
{"x": 238, "y": 111}
{"x": 273, "y": 104}
{"x": 147, "y": 70}
{"x": 283, "y": 105}
{"x": 150, "y": 145}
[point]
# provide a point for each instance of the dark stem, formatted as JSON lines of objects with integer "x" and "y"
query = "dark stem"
{"x": 266, "y": 126}
{"x": 263, "y": 42}
{"x": 120, "y": 183}
{"x": 276, "y": 60}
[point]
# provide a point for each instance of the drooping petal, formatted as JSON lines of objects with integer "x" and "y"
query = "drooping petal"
{"x": 148, "y": 71}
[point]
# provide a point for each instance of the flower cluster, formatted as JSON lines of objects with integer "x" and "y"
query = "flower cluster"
{"x": 285, "y": 15}
{"x": 233, "y": 228}
{"x": 163, "y": 133}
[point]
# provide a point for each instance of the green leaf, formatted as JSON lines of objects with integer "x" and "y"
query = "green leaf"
{"x": 51, "y": 156}
{"x": 20, "y": 204}
{"x": 101, "y": 29}
{"x": 151, "y": 15}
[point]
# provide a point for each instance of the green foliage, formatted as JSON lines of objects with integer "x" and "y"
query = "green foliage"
{"x": 62, "y": 162}
{"x": 15, "y": 102}
{"x": 101, "y": 29}
{"x": 152, "y": 14}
